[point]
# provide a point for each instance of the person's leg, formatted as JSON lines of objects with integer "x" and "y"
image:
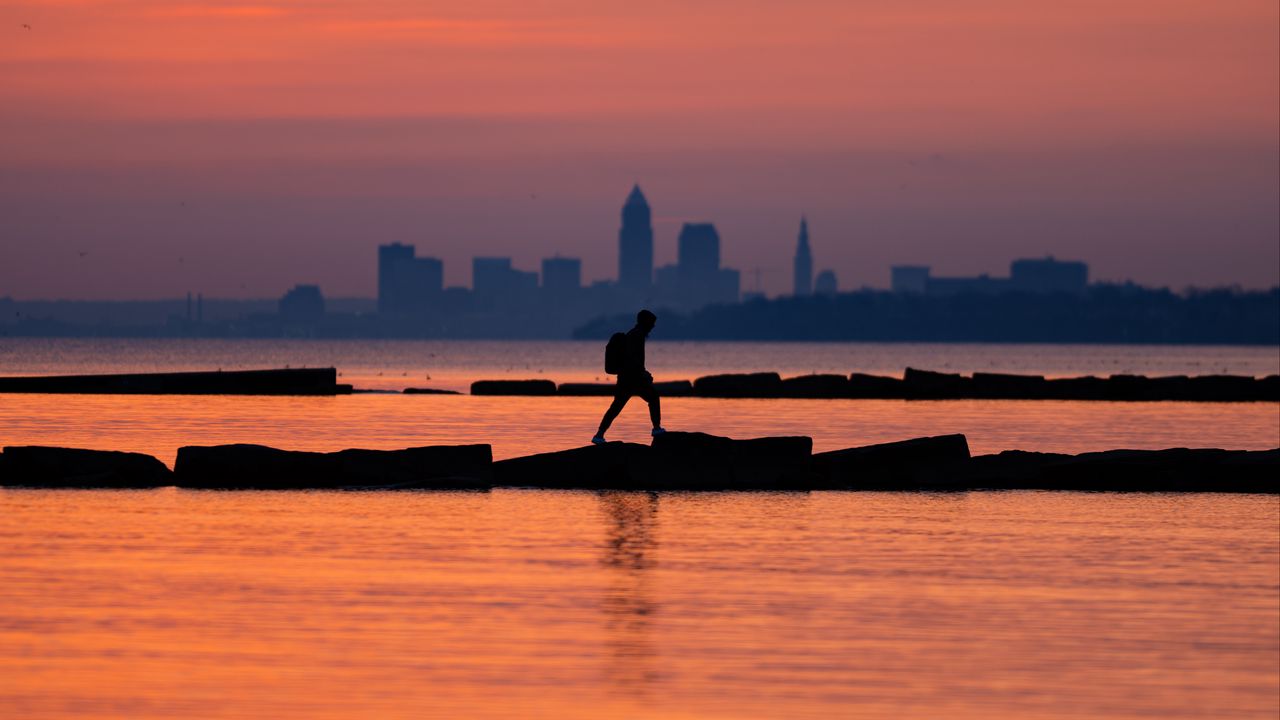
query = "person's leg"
{"x": 619, "y": 402}
{"x": 650, "y": 396}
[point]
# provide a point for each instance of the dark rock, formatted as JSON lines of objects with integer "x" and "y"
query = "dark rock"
{"x": 290, "y": 381}
{"x": 875, "y": 386}
{"x": 257, "y": 466}
{"x": 614, "y": 465}
{"x": 925, "y": 384}
{"x": 1009, "y": 469}
{"x": 1223, "y": 388}
{"x": 1269, "y": 388}
{"x": 1251, "y": 471}
{"x": 1174, "y": 470}
{"x": 69, "y": 467}
{"x": 675, "y": 461}
{"x": 1168, "y": 387}
{"x": 1079, "y": 388}
{"x": 429, "y": 391}
{"x": 586, "y": 389}
{"x": 1178, "y": 387}
{"x": 698, "y": 461}
{"x": 929, "y": 462}
{"x": 1012, "y": 387}
{"x": 1130, "y": 387}
{"x": 513, "y": 387}
{"x": 816, "y": 386}
{"x": 750, "y": 385}
{"x": 674, "y": 388}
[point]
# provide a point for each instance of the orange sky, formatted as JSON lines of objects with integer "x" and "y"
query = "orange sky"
{"x": 269, "y": 143}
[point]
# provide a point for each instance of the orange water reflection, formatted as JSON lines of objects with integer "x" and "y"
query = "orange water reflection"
{"x": 168, "y": 603}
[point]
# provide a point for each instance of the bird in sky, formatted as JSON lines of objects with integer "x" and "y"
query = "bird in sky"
{"x": 26, "y": 26}
{"x": 83, "y": 253}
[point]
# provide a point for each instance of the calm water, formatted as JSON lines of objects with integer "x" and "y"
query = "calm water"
{"x": 168, "y": 603}
{"x": 397, "y": 364}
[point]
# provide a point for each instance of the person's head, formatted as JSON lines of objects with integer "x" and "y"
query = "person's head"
{"x": 646, "y": 320}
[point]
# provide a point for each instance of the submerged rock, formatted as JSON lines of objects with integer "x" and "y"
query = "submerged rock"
{"x": 1172, "y": 470}
{"x": 1005, "y": 386}
{"x": 928, "y": 385}
{"x": 586, "y": 389}
{"x": 671, "y": 388}
{"x": 38, "y": 466}
{"x": 287, "y": 381}
{"x": 698, "y": 461}
{"x": 674, "y": 388}
{"x": 816, "y": 386}
{"x": 429, "y": 391}
{"x": 927, "y": 462}
{"x": 1008, "y": 468}
{"x": 614, "y": 465}
{"x": 1077, "y": 388}
{"x": 1225, "y": 388}
{"x": 675, "y": 461}
{"x": 1269, "y": 388}
{"x": 513, "y": 387}
{"x": 748, "y": 385}
{"x": 875, "y": 386}
{"x": 257, "y": 466}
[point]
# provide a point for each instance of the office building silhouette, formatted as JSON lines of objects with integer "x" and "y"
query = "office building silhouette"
{"x": 1041, "y": 275}
{"x": 697, "y": 278}
{"x": 635, "y": 244}
{"x": 1049, "y": 275}
{"x": 495, "y": 277}
{"x": 407, "y": 284}
{"x": 698, "y": 252}
{"x": 561, "y": 277}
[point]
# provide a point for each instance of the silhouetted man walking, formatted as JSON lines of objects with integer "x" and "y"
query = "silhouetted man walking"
{"x": 633, "y": 379}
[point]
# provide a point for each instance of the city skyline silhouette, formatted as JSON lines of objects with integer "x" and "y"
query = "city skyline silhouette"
{"x": 151, "y": 150}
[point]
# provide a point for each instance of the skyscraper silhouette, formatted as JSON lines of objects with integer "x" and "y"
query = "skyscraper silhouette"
{"x": 635, "y": 244}
{"x": 804, "y": 262}
{"x": 406, "y": 283}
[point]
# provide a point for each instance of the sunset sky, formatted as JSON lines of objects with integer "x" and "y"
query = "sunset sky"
{"x": 151, "y": 147}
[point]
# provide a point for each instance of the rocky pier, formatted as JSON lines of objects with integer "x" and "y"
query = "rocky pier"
{"x": 286, "y": 381}
{"x": 674, "y": 462}
{"x": 928, "y": 385}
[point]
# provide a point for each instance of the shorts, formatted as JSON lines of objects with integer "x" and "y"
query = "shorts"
{"x": 635, "y": 386}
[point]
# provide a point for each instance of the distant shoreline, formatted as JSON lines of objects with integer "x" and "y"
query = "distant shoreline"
{"x": 1104, "y": 315}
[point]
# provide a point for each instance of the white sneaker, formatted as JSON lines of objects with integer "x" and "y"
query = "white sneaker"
{"x": 658, "y": 431}
{"x": 598, "y": 440}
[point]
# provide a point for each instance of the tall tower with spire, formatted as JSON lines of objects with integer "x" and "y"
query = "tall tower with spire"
{"x": 635, "y": 243}
{"x": 804, "y": 263}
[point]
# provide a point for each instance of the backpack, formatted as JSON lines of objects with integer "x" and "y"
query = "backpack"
{"x": 615, "y": 353}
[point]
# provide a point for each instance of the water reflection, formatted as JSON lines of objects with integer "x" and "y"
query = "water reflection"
{"x": 627, "y": 605}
